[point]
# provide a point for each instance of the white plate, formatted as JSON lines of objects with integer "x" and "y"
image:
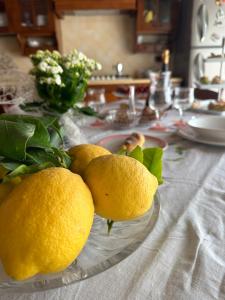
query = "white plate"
{"x": 114, "y": 142}
{"x": 209, "y": 127}
{"x": 188, "y": 134}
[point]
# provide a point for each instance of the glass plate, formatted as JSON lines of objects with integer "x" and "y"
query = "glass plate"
{"x": 101, "y": 252}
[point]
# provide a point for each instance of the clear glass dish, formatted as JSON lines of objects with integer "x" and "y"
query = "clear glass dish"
{"x": 119, "y": 119}
{"x": 101, "y": 252}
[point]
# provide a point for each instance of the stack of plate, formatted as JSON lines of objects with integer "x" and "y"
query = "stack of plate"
{"x": 208, "y": 130}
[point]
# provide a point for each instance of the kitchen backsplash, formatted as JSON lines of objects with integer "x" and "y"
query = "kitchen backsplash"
{"x": 107, "y": 38}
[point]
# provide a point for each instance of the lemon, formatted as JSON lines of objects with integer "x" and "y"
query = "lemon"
{"x": 3, "y": 171}
{"x": 82, "y": 154}
{"x": 44, "y": 223}
{"x": 122, "y": 188}
{"x": 5, "y": 189}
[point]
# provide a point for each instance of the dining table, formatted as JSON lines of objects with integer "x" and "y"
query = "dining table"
{"x": 183, "y": 257}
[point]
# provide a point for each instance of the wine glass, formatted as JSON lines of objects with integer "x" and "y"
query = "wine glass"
{"x": 183, "y": 99}
{"x": 160, "y": 100}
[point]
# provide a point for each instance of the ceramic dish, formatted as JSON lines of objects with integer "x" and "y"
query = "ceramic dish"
{"x": 211, "y": 127}
{"x": 189, "y": 134}
{"x": 114, "y": 142}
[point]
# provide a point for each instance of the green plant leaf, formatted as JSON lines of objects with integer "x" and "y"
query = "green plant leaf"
{"x": 137, "y": 153}
{"x": 63, "y": 158}
{"x": 14, "y": 137}
{"x": 87, "y": 111}
{"x": 41, "y": 136}
{"x": 24, "y": 169}
{"x": 10, "y": 166}
{"x": 56, "y": 135}
{"x": 39, "y": 156}
{"x": 153, "y": 161}
{"x": 122, "y": 152}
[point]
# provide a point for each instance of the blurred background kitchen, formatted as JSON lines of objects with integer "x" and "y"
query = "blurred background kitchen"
{"x": 128, "y": 37}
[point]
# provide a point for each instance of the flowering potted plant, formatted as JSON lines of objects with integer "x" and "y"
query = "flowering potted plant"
{"x": 62, "y": 80}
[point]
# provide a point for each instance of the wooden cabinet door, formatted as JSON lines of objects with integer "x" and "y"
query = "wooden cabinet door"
{"x": 30, "y": 16}
{"x": 157, "y": 16}
{"x": 6, "y": 25}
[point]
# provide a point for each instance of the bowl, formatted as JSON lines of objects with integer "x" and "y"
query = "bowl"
{"x": 211, "y": 127}
{"x": 119, "y": 119}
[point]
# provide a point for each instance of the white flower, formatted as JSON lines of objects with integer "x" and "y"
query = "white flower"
{"x": 81, "y": 56}
{"x": 58, "y": 80}
{"x": 98, "y": 66}
{"x": 49, "y": 80}
{"x": 43, "y": 66}
{"x": 56, "y": 70}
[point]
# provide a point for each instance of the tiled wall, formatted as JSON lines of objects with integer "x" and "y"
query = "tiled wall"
{"x": 109, "y": 38}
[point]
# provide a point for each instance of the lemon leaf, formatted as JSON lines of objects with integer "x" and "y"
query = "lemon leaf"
{"x": 137, "y": 153}
{"x": 14, "y": 138}
{"x": 40, "y": 137}
{"x": 153, "y": 162}
{"x": 23, "y": 169}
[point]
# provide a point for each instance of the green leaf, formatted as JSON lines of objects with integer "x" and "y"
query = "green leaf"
{"x": 40, "y": 137}
{"x": 137, "y": 153}
{"x": 87, "y": 111}
{"x": 56, "y": 135}
{"x": 63, "y": 157}
{"x": 122, "y": 152}
{"x": 39, "y": 156}
{"x": 23, "y": 169}
{"x": 153, "y": 162}
{"x": 14, "y": 138}
{"x": 10, "y": 166}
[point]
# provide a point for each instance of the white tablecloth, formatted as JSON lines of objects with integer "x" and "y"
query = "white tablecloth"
{"x": 184, "y": 257}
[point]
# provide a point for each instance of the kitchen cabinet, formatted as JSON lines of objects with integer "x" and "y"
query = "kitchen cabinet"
{"x": 33, "y": 22}
{"x": 156, "y": 24}
{"x": 157, "y": 17}
{"x": 31, "y": 16}
{"x": 5, "y": 17}
{"x": 61, "y": 6}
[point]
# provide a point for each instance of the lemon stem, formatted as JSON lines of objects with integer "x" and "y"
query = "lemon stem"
{"x": 109, "y": 224}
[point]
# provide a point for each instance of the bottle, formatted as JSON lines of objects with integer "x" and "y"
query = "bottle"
{"x": 165, "y": 74}
{"x": 165, "y": 60}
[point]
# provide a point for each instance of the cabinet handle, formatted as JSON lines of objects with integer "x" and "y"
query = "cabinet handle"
{"x": 202, "y": 22}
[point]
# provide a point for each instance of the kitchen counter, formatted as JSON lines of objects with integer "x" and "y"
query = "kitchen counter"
{"x": 111, "y": 86}
{"x": 127, "y": 81}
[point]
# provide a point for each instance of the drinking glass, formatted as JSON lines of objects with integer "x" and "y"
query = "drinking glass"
{"x": 160, "y": 100}
{"x": 96, "y": 99}
{"x": 183, "y": 99}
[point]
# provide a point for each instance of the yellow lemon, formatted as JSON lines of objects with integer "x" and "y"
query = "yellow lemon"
{"x": 3, "y": 172}
{"x": 82, "y": 154}
{"x": 5, "y": 189}
{"x": 44, "y": 223}
{"x": 122, "y": 188}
